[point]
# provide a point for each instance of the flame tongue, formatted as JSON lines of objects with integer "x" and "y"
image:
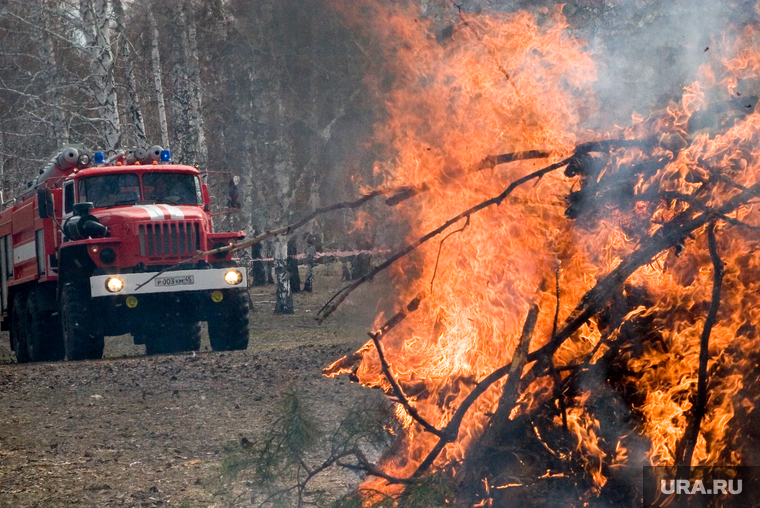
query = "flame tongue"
{"x": 503, "y": 83}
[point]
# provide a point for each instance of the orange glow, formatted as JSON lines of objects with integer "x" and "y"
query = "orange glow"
{"x": 504, "y": 83}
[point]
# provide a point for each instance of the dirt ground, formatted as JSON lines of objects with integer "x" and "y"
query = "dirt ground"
{"x": 137, "y": 431}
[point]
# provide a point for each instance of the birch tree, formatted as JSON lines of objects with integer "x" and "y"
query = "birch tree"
{"x": 96, "y": 28}
{"x": 195, "y": 111}
{"x": 155, "y": 59}
{"x": 186, "y": 84}
{"x": 51, "y": 71}
{"x": 135, "y": 111}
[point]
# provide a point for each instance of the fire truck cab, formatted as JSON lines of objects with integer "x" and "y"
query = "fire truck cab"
{"x": 98, "y": 248}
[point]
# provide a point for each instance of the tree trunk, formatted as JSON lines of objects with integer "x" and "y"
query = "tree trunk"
{"x": 180, "y": 107}
{"x": 50, "y": 68}
{"x": 346, "y": 270}
{"x": 191, "y": 140}
{"x": 295, "y": 277}
{"x": 311, "y": 254}
{"x": 258, "y": 267}
{"x": 200, "y": 150}
{"x": 155, "y": 57}
{"x": 269, "y": 265}
{"x": 97, "y": 31}
{"x": 135, "y": 112}
{"x": 361, "y": 265}
{"x": 284, "y": 303}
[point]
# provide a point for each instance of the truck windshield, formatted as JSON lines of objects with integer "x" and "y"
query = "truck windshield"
{"x": 110, "y": 190}
{"x": 172, "y": 188}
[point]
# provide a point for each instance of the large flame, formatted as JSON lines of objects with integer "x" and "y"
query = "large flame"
{"x": 498, "y": 83}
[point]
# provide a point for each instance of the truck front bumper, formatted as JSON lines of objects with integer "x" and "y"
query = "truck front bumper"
{"x": 169, "y": 282}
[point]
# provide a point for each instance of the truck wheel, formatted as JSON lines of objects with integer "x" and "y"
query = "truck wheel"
{"x": 18, "y": 329}
{"x": 43, "y": 332}
{"x": 174, "y": 337}
{"x": 80, "y": 341}
{"x": 228, "y": 325}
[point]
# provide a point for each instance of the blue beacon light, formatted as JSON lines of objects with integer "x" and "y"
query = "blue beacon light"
{"x": 99, "y": 158}
{"x": 166, "y": 156}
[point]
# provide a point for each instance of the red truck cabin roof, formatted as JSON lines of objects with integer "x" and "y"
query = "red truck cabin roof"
{"x": 141, "y": 168}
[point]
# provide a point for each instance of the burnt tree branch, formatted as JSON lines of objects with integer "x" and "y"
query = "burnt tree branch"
{"x": 685, "y": 448}
{"x": 558, "y": 392}
{"x": 409, "y": 191}
{"x": 351, "y": 361}
{"x": 451, "y": 431}
{"x": 366, "y": 466}
{"x": 440, "y": 248}
{"x": 583, "y": 148}
{"x": 341, "y": 296}
{"x": 667, "y": 236}
{"x": 413, "y": 305}
{"x": 398, "y": 392}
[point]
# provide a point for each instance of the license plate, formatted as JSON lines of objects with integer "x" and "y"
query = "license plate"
{"x": 185, "y": 280}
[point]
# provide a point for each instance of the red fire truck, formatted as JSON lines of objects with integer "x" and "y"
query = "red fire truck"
{"x": 100, "y": 247}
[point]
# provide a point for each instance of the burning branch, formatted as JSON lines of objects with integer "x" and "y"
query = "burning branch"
{"x": 451, "y": 430}
{"x": 341, "y": 295}
{"x": 584, "y": 148}
{"x": 406, "y": 192}
{"x": 669, "y": 235}
{"x": 349, "y": 363}
{"x": 685, "y": 448}
{"x": 553, "y": 368}
{"x": 397, "y": 392}
{"x": 400, "y": 315}
{"x": 440, "y": 248}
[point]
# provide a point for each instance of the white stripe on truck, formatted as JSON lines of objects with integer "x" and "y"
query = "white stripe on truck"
{"x": 175, "y": 212}
{"x": 153, "y": 211}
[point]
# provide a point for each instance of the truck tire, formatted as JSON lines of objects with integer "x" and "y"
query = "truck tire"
{"x": 43, "y": 332}
{"x": 18, "y": 329}
{"x": 80, "y": 341}
{"x": 173, "y": 337}
{"x": 228, "y": 325}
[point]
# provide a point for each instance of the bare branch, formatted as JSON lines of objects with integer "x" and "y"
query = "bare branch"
{"x": 398, "y": 392}
{"x": 340, "y": 297}
{"x": 685, "y": 448}
{"x": 440, "y": 248}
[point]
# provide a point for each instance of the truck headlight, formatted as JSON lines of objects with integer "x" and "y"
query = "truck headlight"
{"x": 233, "y": 277}
{"x": 114, "y": 285}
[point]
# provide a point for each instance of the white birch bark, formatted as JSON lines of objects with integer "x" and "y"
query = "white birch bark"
{"x": 50, "y": 69}
{"x": 282, "y": 170}
{"x": 96, "y": 27}
{"x": 195, "y": 91}
{"x": 180, "y": 103}
{"x": 155, "y": 57}
{"x": 135, "y": 112}
{"x": 284, "y": 300}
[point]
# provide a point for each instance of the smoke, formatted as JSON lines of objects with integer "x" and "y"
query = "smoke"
{"x": 647, "y": 51}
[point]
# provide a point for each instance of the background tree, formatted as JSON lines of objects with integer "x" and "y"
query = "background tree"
{"x": 268, "y": 92}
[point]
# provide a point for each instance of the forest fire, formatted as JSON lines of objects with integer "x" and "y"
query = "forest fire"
{"x": 587, "y": 313}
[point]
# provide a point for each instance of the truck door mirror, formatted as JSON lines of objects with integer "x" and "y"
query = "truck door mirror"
{"x": 45, "y": 203}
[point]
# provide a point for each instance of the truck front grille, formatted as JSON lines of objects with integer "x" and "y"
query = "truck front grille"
{"x": 169, "y": 239}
